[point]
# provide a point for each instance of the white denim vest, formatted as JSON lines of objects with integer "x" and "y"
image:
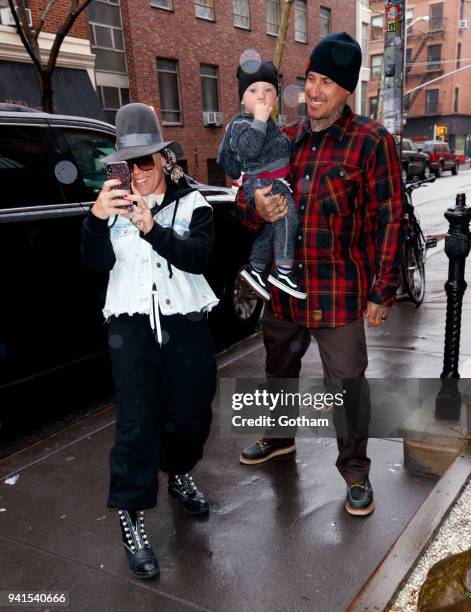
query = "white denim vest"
{"x": 138, "y": 267}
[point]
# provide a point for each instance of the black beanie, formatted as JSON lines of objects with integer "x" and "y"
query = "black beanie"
{"x": 266, "y": 72}
{"x": 338, "y": 57}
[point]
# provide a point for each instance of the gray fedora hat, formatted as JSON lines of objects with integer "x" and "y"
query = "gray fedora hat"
{"x": 138, "y": 133}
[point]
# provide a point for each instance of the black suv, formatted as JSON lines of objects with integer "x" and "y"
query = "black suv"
{"x": 52, "y": 330}
{"x": 414, "y": 162}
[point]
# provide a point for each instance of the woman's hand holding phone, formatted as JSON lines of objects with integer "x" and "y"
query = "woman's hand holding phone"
{"x": 112, "y": 201}
{"x": 141, "y": 216}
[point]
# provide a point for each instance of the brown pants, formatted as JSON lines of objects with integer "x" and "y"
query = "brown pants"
{"x": 344, "y": 356}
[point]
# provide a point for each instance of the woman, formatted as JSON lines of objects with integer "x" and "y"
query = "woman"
{"x": 157, "y": 301}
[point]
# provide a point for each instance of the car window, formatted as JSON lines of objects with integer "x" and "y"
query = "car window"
{"x": 405, "y": 145}
{"x": 26, "y": 168}
{"x": 88, "y": 147}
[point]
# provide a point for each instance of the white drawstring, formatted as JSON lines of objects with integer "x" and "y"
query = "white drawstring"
{"x": 154, "y": 316}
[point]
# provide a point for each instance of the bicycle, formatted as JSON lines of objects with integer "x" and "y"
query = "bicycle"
{"x": 415, "y": 248}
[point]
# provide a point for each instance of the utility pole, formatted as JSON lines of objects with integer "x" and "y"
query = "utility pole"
{"x": 280, "y": 45}
{"x": 393, "y": 75}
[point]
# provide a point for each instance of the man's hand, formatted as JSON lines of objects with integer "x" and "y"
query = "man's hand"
{"x": 376, "y": 314}
{"x": 262, "y": 111}
{"x": 270, "y": 208}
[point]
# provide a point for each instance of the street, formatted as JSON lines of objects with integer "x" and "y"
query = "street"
{"x": 432, "y": 201}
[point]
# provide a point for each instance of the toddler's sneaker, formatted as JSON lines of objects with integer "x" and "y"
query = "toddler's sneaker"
{"x": 253, "y": 278}
{"x": 286, "y": 281}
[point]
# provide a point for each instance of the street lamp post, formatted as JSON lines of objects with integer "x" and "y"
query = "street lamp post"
{"x": 457, "y": 246}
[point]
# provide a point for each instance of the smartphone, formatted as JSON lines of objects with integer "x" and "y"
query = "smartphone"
{"x": 120, "y": 170}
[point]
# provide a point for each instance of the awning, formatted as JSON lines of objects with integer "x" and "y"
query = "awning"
{"x": 73, "y": 90}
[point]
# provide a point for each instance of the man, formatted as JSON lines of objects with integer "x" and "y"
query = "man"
{"x": 346, "y": 183}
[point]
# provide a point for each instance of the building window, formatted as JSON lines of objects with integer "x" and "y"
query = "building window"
{"x": 408, "y": 58}
{"x": 364, "y": 90}
{"x": 273, "y": 17}
{"x": 204, "y": 9}
{"x": 364, "y": 43}
{"x": 431, "y": 101}
{"x": 169, "y": 89}
{"x": 409, "y": 16}
{"x": 458, "y": 56}
{"x": 456, "y": 100}
{"x": 106, "y": 36}
{"x": 376, "y": 66}
{"x": 434, "y": 57}
{"x": 300, "y": 21}
{"x": 302, "y": 106}
{"x": 165, "y": 4}
{"x": 241, "y": 10}
{"x": 374, "y": 107}
{"x": 436, "y": 17}
{"x": 462, "y": 9}
{"x": 377, "y": 27}
{"x": 216, "y": 175}
{"x": 209, "y": 87}
{"x": 112, "y": 99}
{"x": 325, "y": 21}
{"x": 406, "y": 101}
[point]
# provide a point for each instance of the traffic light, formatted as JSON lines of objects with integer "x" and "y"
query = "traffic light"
{"x": 441, "y": 132}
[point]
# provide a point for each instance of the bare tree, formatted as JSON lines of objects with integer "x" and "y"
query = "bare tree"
{"x": 29, "y": 37}
{"x": 280, "y": 45}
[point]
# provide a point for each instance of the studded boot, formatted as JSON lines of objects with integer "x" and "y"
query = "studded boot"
{"x": 183, "y": 488}
{"x": 139, "y": 553}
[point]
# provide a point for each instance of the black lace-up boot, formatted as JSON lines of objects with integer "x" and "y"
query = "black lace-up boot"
{"x": 183, "y": 488}
{"x": 139, "y": 553}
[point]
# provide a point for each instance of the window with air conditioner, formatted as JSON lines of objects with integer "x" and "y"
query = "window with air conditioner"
{"x": 377, "y": 22}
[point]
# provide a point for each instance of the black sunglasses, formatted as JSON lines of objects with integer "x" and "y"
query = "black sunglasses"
{"x": 143, "y": 163}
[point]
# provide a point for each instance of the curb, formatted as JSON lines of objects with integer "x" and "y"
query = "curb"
{"x": 383, "y": 585}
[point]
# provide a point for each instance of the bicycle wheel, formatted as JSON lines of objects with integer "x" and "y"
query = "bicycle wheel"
{"x": 413, "y": 267}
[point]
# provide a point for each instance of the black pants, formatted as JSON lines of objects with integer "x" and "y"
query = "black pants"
{"x": 344, "y": 356}
{"x": 164, "y": 396}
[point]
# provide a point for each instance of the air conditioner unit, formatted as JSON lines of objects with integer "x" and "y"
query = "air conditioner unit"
{"x": 463, "y": 24}
{"x": 6, "y": 17}
{"x": 212, "y": 118}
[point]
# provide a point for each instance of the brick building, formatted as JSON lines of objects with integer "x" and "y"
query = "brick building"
{"x": 74, "y": 77}
{"x": 438, "y": 41}
{"x": 182, "y": 59}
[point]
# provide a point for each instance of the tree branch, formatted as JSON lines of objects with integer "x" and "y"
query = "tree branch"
{"x": 43, "y": 17}
{"x": 62, "y": 32}
{"x": 25, "y": 33}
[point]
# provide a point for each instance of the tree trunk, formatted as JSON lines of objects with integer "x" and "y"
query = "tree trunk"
{"x": 280, "y": 45}
{"x": 45, "y": 87}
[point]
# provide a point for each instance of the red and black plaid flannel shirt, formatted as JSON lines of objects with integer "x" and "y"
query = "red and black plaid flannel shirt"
{"x": 348, "y": 192}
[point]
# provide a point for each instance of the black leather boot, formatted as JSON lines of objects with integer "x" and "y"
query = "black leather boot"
{"x": 139, "y": 553}
{"x": 183, "y": 488}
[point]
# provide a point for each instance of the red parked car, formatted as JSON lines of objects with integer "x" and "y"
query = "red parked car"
{"x": 441, "y": 157}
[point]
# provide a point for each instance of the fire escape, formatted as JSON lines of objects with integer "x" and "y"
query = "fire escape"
{"x": 437, "y": 28}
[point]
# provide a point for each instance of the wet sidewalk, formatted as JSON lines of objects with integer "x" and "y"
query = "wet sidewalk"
{"x": 277, "y": 539}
